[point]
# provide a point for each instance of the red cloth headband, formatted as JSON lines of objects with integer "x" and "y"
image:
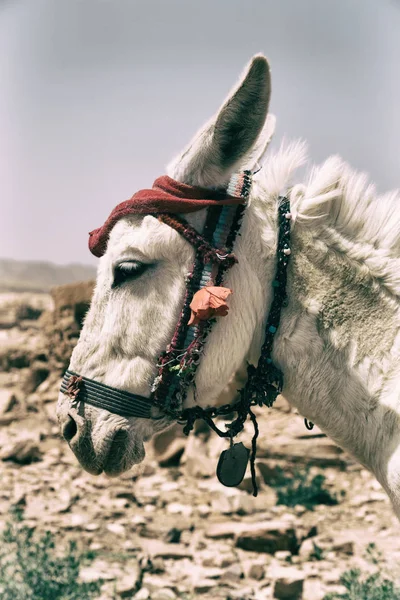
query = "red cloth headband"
{"x": 166, "y": 196}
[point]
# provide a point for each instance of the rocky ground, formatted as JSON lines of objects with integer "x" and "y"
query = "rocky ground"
{"x": 169, "y": 529}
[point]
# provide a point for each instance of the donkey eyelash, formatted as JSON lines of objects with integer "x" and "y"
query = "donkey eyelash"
{"x": 129, "y": 270}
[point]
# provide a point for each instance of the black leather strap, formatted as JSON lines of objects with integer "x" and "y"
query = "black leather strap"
{"x": 109, "y": 398}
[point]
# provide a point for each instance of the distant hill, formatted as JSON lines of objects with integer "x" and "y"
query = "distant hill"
{"x": 37, "y": 276}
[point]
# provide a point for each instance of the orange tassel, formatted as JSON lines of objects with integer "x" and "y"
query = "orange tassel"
{"x": 209, "y": 302}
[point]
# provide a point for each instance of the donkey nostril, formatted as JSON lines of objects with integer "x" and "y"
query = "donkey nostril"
{"x": 70, "y": 429}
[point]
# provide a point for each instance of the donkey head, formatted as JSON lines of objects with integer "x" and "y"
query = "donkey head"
{"x": 141, "y": 285}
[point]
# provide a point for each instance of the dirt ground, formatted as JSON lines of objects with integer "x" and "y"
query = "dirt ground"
{"x": 168, "y": 529}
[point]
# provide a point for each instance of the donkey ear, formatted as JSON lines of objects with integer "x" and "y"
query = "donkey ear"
{"x": 222, "y": 144}
{"x": 255, "y": 155}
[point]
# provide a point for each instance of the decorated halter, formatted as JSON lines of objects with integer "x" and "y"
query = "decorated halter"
{"x": 205, "y": 299}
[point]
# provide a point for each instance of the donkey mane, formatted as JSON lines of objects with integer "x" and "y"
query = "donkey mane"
{"x": 340, "y": 207}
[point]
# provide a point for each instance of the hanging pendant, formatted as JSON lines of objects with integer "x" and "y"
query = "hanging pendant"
{"x": 232, "y": 465}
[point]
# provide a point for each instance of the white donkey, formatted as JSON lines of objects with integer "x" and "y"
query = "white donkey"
{"x": 338, "y": 342}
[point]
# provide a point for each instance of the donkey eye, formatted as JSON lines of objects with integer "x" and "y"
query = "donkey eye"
{"x": 126, "y": 271}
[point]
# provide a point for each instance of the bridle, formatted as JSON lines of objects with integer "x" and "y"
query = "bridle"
{"x": 178, "y": 365}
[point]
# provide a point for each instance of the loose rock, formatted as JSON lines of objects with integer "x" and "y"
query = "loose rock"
{"x": 7, "y": 401}
{"x": 22, "y": 451}
{"x": 128, "y": 584}
{"x": 267, "y": 537}
{"x": 172, "y": 455}
{"x": 165, "y": 594}
{"x": 142, "y": 594}
{"x": 289, "y": 585}
{"x": 344, "y": 546}
{"x": 256, "y": 571}
{"x": 203, "y": 586}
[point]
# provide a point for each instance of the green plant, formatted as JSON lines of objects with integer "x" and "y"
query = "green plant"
{"x": 367, "y": 587}
{"x": 33, "y": 568}
{"x": 301, "y": 488}
{"x": 375, "y": 586}
{"x": 317, "y": 553}
{"x": 373, "y": 555}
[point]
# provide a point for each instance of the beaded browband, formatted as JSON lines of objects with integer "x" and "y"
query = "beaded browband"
{"x": 178, "y": 364}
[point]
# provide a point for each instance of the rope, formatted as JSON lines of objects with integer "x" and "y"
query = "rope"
{"x": 205, "y": 250}
{"x": 264, "y": 382}
{"x": 254, "y": 452}
{"x": 176, "y": 371}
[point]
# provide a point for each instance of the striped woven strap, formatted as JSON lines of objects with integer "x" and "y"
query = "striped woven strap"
{"x": 104, "y": 396}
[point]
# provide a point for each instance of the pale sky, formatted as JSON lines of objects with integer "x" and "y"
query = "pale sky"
{"x": 98, "y": 95}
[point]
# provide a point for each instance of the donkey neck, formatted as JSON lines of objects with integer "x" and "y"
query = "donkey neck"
{"x": 334, "y": 346}
{"x": 353, "y": 313}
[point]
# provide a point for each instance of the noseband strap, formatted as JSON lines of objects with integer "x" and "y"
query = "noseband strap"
{"x": 104, "y": 396}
